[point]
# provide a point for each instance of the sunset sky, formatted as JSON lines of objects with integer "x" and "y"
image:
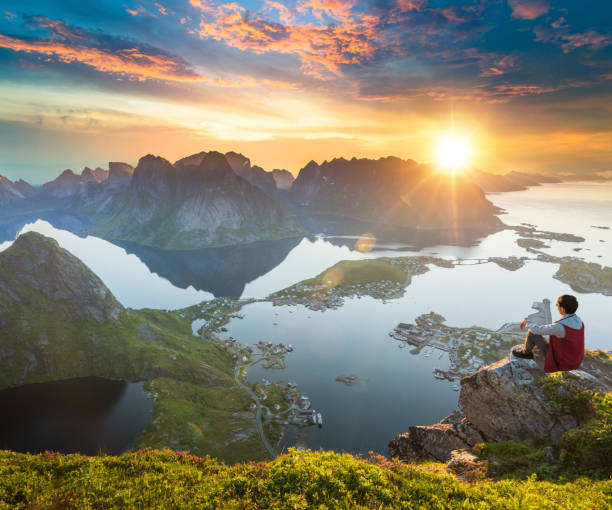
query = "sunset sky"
{"x": 529, "y": 82}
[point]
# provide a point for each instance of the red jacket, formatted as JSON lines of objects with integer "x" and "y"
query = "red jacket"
{"x": 565, "y": 353}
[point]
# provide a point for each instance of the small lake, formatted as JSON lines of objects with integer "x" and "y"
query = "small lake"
{"x": 86, "y": 415}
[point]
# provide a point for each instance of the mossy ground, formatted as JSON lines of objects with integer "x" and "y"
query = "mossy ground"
{"x": 359, "y": 272}
{"x": 583, "y": 451}
{"x": 297, "y": 480}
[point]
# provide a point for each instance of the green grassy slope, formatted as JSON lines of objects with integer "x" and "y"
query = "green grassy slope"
{"x": 297, "y": 480}
{"x": 58, "y": 321}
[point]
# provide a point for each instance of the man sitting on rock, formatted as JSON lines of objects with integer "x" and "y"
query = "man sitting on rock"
{"x": 565, "y": 349}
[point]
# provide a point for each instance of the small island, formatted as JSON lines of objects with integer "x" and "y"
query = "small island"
{"x": 381, "y": 278}
{"x": 351, "y": 380}
{"x": 531, "y": 243}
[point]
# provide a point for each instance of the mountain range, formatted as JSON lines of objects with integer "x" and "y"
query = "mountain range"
{"x": 211, "y": 199}
{"x": 511, "y": 181}
{"x": 187, "y": 206}
{"x": 14, "y": 191}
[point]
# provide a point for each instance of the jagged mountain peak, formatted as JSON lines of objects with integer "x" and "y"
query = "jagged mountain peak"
{"x": 194, "y": 159}
{"x": 237, "y": 161}
{"x": 215, "y": 161}
{"x": 150, "y": 160}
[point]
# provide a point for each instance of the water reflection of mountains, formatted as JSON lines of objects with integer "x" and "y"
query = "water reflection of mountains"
{"x": 222, "y": 271}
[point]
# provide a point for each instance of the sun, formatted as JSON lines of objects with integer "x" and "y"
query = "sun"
{"x": 453, "y": 152}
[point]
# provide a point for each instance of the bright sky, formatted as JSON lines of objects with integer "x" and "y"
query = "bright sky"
{"x": 528, "y": 82}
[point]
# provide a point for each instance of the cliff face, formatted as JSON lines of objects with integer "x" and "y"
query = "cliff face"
{"x": 119, "y": 174}
{"x": 193, "y": 206}
{"x": 392, "y": 193}
{"x": 284, "y": 179}
{"x": 501, "y": 402}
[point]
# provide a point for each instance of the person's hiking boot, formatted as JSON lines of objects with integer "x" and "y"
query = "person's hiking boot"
{"x": 522, "y": 353}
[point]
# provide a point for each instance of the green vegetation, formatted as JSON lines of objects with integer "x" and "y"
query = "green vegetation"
{"x": 381, "y": 278}
{"x": 587, "y": 448}
{"x": 359, "y": 272}
{"x": 519, "y": 460}
{"x": 298, "y": 480}
{"x": 531, "y": 243}
{"x": 585, "y": 451}
{"x": 190, "y": 380}
{"x": 584, "y": 276}
{"x": 58, "y": 321}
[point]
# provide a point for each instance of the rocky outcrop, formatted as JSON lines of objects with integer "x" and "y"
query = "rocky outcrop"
{"x": 435, "y": 442}
{"x": 505, "y": 402}
{"x": 283, "y": 178}
{"x": 256, "y": 175}
{"x": 501, "y": 402}
{"x": 119, "y": 174}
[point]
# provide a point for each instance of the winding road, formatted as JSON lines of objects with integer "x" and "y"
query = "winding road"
{"x": 265, "y": 441}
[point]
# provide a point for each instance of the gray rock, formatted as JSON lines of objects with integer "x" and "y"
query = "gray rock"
{"x": 504, "y": 402}
{"x": 501, "y": 402}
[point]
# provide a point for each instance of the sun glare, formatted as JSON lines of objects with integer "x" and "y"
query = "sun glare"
{"x": 453, "y": 152}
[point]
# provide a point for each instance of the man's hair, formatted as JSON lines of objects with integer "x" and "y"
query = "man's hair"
{"x": 568, "y": 302}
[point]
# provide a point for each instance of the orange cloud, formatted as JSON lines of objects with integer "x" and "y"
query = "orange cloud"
{"x": 120, "y": 57}
{"x": 590, "y": 38}
{"x": 411, "y": 5}
{"x": 125, "y": 61}
{"x": 528, "y": 9}
{"x": 499, "y": 66}
{"x": 524, "y": 90}
{"x": 322, "y": 49}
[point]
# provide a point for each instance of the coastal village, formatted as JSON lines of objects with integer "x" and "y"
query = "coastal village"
{"x": 280, "y": 408}
{"x": 383, "y": 278}
{"x": 278, "y": 405}
{"x": 468, "y": 349}
{"x": 387, "y": 278}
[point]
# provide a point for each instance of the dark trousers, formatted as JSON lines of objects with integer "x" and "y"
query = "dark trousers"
{"x": 532, "y": 340}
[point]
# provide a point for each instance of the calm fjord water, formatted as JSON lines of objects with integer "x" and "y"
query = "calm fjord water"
{"x": 397, "y": 388}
